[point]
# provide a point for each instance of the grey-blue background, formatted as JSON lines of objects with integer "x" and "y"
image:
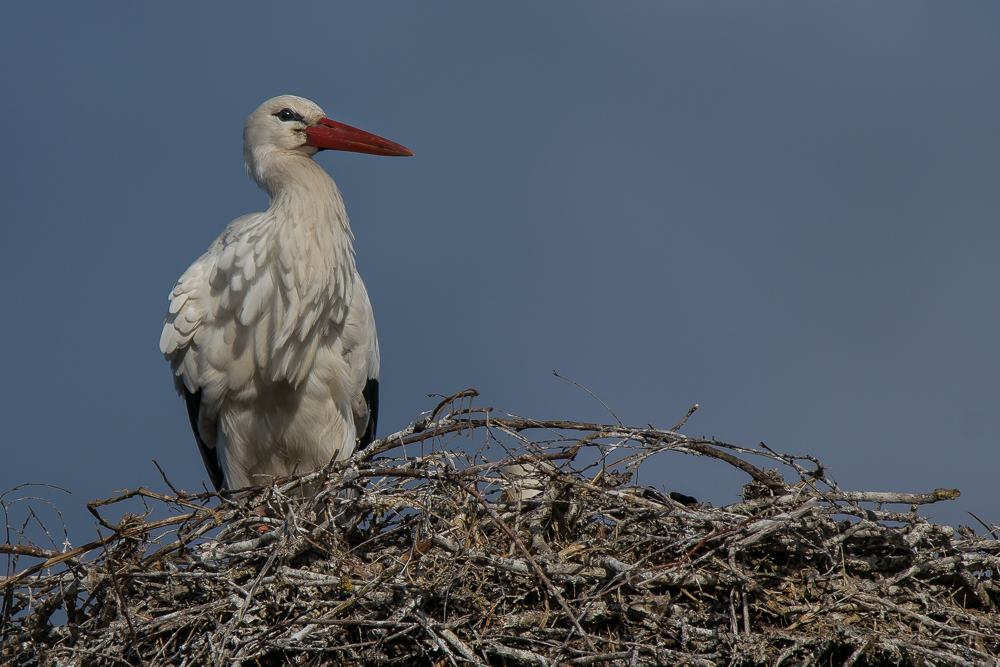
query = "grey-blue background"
{"x": 785, "y": 212}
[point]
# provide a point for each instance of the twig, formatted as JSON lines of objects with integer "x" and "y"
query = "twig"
{"x": 592, "y": 394}
{"x": 167, "y": 481}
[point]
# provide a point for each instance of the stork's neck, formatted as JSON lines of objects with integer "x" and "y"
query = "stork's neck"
{"x": 312, "y": 235}
{"x": 304, "y": 196}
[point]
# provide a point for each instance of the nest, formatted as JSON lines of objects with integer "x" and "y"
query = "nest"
{"x": 421, "y": 550}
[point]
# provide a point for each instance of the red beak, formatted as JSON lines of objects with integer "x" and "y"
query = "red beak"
{"x": 339, "y": 137}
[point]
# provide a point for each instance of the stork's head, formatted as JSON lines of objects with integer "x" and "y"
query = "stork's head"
{"x": 287, "y": 126}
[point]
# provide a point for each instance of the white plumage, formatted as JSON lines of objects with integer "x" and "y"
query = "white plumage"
{"x": 270, "y": 333}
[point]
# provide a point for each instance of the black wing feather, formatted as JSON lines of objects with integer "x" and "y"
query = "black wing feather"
{"x": 208, "y": 454}
{"x": 371, "y": 398}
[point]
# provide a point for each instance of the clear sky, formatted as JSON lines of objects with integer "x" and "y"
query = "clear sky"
{"x": 786, "y": 212}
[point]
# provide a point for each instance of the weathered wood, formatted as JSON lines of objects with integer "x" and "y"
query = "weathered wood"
{"x": 437, "y": 559}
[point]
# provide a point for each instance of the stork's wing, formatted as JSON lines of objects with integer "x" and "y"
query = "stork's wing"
{"x": 362, "y": 356}
{"x": 188, "y": 320}
{"x": 199, "y": 334}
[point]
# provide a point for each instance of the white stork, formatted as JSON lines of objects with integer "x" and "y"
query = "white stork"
{"x": 270, "y": 333}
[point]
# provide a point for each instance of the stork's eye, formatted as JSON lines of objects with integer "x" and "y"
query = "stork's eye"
{"x": 286, "y": 115}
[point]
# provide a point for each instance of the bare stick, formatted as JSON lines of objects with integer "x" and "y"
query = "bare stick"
{"x": 167, "y": 481}
{"x": 592, "y": 394}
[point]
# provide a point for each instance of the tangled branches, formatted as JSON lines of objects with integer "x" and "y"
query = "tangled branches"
{"x": 421, "y": 550}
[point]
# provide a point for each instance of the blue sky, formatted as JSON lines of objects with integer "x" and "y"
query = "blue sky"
{"x": 785, "y": 212}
